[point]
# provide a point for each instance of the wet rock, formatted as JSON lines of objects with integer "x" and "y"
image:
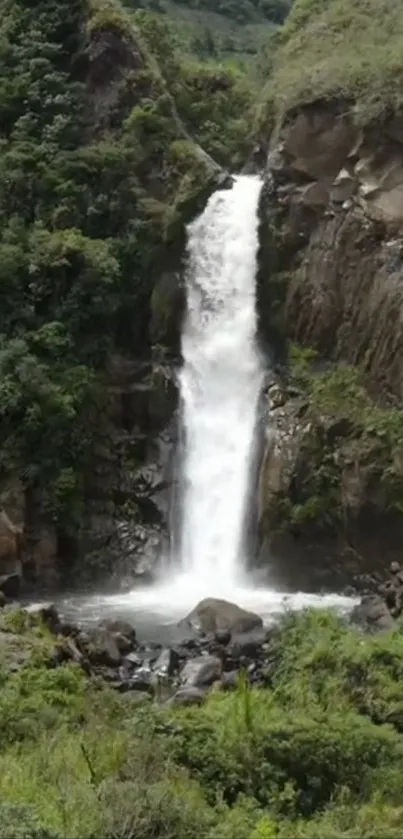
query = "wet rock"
{"x": 212, "y": 615}
{"x": 167, "y": 663}
{"x": 133, "y": 660}
{"x": 373, "y": 613}
{"x": 11, "y": 545}
{"x": 123, "y": 634}
{"x": 119, "y": 627}
{"x": 168, "y": 303}
{"x": 102, "y": 648}
{"x": 10, "y": 585}
{"x": 229, "y": 680}
{"x": 3, "y": 599}
{"x": 201, "y": 671}
{"x": 188, "y": 696}
{"x": 76, "y": 655}
{"x": 222, "y": 636}
{"x": 50, "y": 617}
{"x": 68, "y": 629}
{"x": 142, "y": 680}
{"x": 247, "y": 644}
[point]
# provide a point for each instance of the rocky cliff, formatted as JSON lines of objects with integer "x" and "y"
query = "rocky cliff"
{"x": 331, "y": 279}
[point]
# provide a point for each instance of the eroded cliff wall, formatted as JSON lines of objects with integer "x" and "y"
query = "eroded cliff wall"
{"x": 331, "y": 280}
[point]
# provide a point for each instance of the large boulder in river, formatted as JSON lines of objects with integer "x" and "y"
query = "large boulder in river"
{"x": 372, "y": 613}
{"x": 213, "y": 615}
{"x": 201, "y": 672}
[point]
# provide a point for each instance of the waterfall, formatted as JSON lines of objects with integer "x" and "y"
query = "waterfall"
{"x": 220, "y": 382}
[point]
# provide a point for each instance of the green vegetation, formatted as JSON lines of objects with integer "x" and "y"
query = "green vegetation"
{"x": 335, "y": 48}
{"x": 317, "y": 753}
{"x": 99, "y": 173}
{"x": 350, "y": 457}
{"x": 225, "y": 29}
{"x": 214, "y": 102}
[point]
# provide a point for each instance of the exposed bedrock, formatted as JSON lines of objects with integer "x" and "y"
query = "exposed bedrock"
{"x": 331, "y": 279}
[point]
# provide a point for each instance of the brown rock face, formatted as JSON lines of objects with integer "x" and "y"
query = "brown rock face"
{"x": 334, "y": 196}
{"x": 323, "y": 516}
{"x": 107, "y": 62}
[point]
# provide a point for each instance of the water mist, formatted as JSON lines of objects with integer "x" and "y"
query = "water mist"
{"x": 220, "y": 383}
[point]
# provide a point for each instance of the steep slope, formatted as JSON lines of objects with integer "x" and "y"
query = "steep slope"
{"x": 97, "y": 178}
{"x": 331, "y": 276}
{"x": 210, "y": 29}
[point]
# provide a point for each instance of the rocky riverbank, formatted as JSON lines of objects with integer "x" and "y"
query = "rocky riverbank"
{"x": 214, "y": 646}
{"x": 234, "y": 729}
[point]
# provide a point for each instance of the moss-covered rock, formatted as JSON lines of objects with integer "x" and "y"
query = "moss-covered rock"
{"x": 332, "y": 469}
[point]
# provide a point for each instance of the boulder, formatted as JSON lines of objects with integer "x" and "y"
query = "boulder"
{"x": 229, "y": 680}
{"x": 187, "y": 696}
{"x": 142, "y": 680}
{"x": 10, "y": 585}
{"x": 47, "y": 614}
{"x": 102, "y": 648}
{"x": 201, "y": 672}
{"x": 222, "y": 637}
{"x": 372, "y": 613}
{"x": 133, "y": 660}
{"x": 247, "y": 644}
{"x": 119, "y": 627}
{"x": 167, "y": 663}
{"x": 123, "y": 634}
{"x": 213, "y": 615}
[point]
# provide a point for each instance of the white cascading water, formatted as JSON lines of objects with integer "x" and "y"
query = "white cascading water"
{"x": 220, "y": 383}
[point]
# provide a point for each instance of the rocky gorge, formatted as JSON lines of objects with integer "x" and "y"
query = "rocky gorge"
{"x": 329, "y": 282}
{"x": 213, "y": 703}
{"x": 328, "y": 494}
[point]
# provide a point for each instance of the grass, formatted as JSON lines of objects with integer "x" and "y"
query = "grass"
{"x": 313, "y": 754}
{"x": 338, "y": 49}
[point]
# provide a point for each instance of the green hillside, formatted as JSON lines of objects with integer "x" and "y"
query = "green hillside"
{"x": 355, "y": 51}
{"x": 226, "y": 28}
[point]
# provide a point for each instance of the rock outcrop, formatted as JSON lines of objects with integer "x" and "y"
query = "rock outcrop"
{"x": 330, "y": 482}
{"x": 331, "y": 279}
{"x": 332, "y": 221}
{"x": 380, "y": 610}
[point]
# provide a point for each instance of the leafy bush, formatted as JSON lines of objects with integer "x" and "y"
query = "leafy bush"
{"x": 309, "y": 756}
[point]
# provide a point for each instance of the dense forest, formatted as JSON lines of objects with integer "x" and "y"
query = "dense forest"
{"x": 99, "y": 171}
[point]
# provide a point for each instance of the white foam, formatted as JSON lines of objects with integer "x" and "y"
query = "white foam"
{"x": 220, "y": 382}
{"x": 168, "y": 603}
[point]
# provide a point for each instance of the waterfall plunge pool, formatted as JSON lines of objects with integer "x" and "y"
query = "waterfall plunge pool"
{"x": 220, "y": 384}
